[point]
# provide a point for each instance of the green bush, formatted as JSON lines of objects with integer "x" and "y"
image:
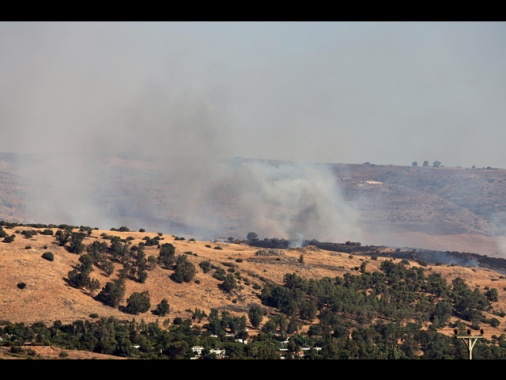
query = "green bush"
{"x": 178, "y": 321}
{"x": 138, "y": 303}
{"x": 205, "y": 265}
{"x": 48, "y": 256}
{"x": 162, "y": 309}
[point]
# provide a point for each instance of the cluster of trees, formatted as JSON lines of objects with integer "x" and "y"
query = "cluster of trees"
{"x": 435, "y": 164}
{"x": 134, "y": 265}
{"x": 370, "y": 315}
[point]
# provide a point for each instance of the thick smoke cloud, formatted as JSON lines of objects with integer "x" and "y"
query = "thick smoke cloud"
{"x": 103, "y": 150}
{"x": 294, "y": 201}
{"x": 116, "y": 116}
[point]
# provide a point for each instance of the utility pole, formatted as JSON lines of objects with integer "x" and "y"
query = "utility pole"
{"x": 469, "y": 340}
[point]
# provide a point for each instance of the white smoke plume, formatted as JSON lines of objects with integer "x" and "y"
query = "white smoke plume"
{"x": 292, "y": 200}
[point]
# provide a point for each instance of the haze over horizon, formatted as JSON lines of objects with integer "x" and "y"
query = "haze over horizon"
{"x": 204, "y": 92}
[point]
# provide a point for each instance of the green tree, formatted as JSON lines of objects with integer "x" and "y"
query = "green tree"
{"x": 166, "y": 257}
{"x": 162, "y": 309}
{"x": 76, "y": 242}
{"x": 184, "y": 270}
{"x": 442, "y": 313}
{"x": 255, "y": 315}
{"x": 138, "y": 302}
{"x": 492, "y": 295}
{"x": 107, "y": 266}
{"x": 206, "y": 266}
{"x": 78, "y": 279}
{"x": 112, "y": 293}
{"x": 62, "y": 237}
{"x": 229, "y": 283}
{"x": 93, "y": 285}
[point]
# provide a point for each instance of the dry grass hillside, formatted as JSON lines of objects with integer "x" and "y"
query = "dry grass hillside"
{"x": 47, "y": 297}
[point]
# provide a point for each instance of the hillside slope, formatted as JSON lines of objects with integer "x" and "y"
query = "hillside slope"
{"x": 48, "y": 297}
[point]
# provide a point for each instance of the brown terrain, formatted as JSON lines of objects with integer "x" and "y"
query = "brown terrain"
{"x": 47, "y": 297}
{"x": 446, "y": 209}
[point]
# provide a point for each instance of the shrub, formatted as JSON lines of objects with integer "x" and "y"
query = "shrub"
{"x": 16, "y": 349}
{"x": 63, "y": 354}
{"x": 21, "y": 285}
{"x": 31, "y": 352}
{"x": 162, "y": 309}
{"x": 219, "y": 274}
{"x": 178, "y": 321}
{"x": 205, "y": 265}
{"x": 93, "y": 315}
{"x": 48, "y": 256}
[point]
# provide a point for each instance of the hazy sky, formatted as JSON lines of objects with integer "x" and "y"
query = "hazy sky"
{"x": 344, "y": 92}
